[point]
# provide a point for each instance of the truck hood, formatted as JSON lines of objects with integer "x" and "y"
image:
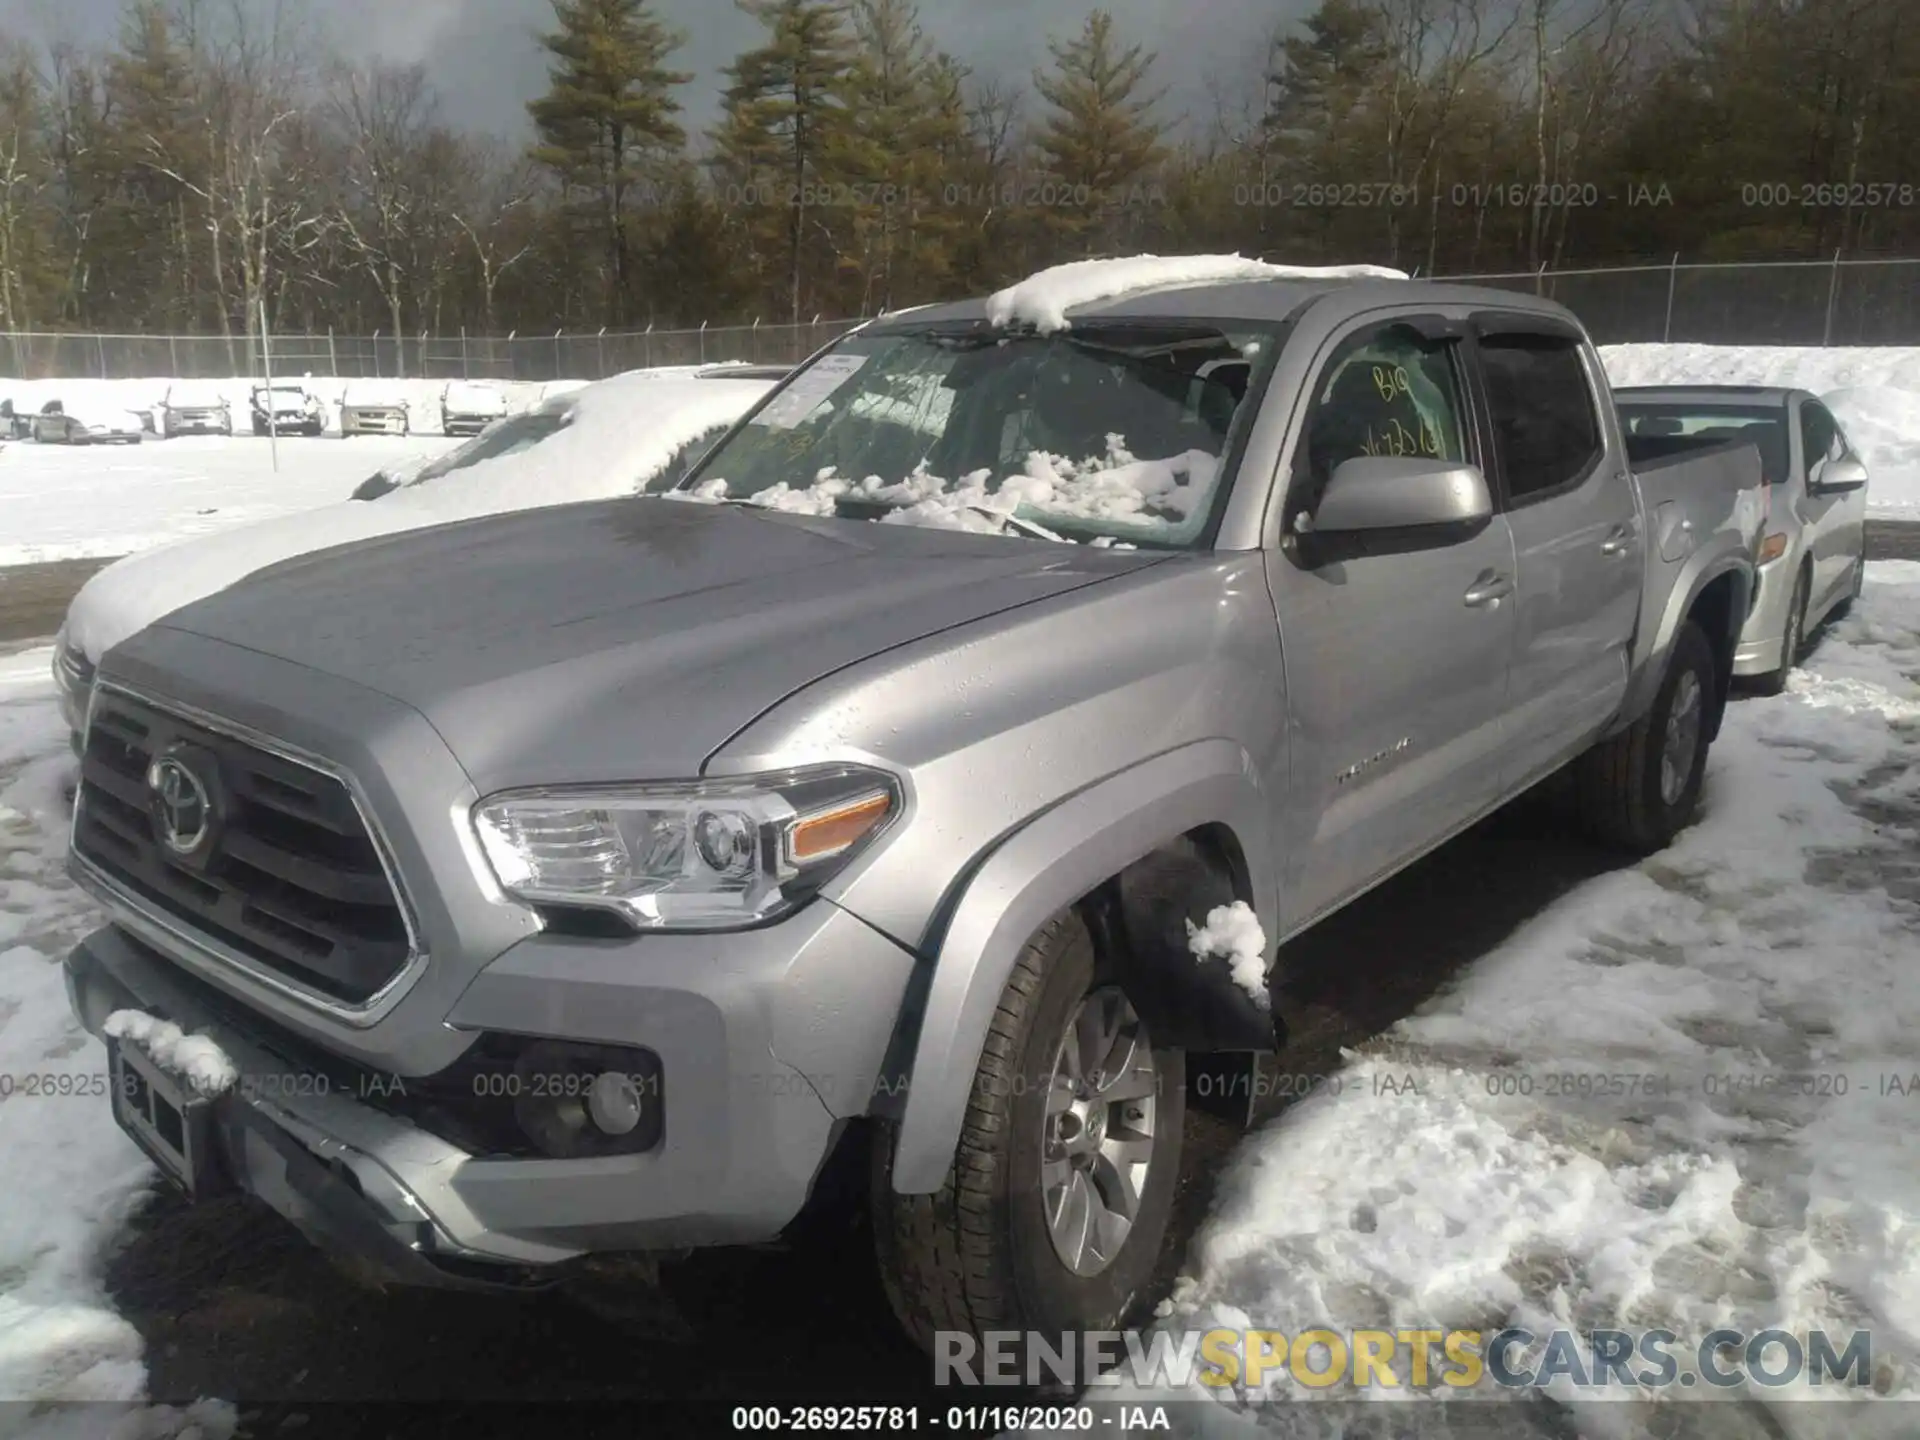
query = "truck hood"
{"x": 624, "y": 640}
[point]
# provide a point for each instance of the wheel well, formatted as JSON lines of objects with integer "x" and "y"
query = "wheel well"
{"x": 1138, "y": 919}
{"x": 1720, "y": 615}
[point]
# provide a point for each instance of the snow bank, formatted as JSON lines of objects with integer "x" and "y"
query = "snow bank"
{"x": 196, "y": 1059}
{"x": 72, "y": 1178}
{"x": 1042, "y": 300}
{"x": 1233, "y": 933}
{"x": 622, "y": 432}
{"x": 1759, "y": 977}
{"x": 64, "y": 502}
{"x": 1874, "y": 390}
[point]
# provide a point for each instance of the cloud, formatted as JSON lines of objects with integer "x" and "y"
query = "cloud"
{"x": 485, "y": 58}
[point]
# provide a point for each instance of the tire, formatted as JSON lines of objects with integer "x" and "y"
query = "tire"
{"x": 1792, "y": 641}
{"x": 1623, "y": 791}
{"x": 979, "y": 1254}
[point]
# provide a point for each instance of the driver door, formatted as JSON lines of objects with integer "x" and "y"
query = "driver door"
{"x": 1396, "y": 651}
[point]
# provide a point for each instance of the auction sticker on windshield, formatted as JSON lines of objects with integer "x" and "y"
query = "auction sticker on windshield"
{"x": 804, "y": 394}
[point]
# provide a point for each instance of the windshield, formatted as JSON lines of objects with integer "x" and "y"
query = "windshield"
{"x": 507, "y": 437}
{"x": 1110, "y": 433}
{"x": 1762, "y": 425}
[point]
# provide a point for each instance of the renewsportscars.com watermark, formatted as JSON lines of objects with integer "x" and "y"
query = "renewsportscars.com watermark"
{"x": 1322, "y": 1359}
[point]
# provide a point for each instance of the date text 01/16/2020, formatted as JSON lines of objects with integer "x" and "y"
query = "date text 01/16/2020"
{"x": 956, "y": 1419}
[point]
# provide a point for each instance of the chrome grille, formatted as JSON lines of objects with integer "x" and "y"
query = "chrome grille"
{"x": 293, "y": 880}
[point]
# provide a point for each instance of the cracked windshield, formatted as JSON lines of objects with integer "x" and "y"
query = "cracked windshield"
{"x": 1115, "y": 434}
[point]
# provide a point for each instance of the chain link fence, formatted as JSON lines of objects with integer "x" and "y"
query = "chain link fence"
{"x": 566, "y": 355}
{"x": 1791, "y": 302}
{"x": 1831, "y": 302}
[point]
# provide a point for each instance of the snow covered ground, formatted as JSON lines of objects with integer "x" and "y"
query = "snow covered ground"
{"x": 1874, "y": 390}
{"x": 1766, "y": 968}
{"x": 1778, "y": 938}
{"x": 60, "y": 502}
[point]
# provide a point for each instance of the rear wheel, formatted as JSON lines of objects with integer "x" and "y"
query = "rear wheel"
{"x": 1057, "y": 1205}
{"x": 1639, "y": 788}
{"x": 1792, "y": 640}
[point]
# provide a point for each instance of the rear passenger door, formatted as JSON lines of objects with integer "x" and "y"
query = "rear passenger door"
{"x": 1576, "y": 536}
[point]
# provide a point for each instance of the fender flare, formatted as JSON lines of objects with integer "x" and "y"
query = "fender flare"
{"x": 1037, "y": 870}
{"x": 1702, "y": 569}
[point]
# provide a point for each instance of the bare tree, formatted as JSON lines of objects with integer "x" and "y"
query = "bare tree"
{"x": 386, "y": 118}
{"x": 493, "y": 212}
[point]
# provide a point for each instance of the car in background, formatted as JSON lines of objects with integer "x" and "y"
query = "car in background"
{"x": 629, "y": 435}
{"x": 468, "y": 406}
{"x": 373, "y": 407}
{"x": 1813, "y": 550}
{"x": 96, "y": 425}
{"x": 287, "y": 409}
{"x": 196, "y": 408}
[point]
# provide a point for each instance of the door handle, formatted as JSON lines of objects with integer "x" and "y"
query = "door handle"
{"x": 1618, "y": 542}
{"x": 1489, "y": 589}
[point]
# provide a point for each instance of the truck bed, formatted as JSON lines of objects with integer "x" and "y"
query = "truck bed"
{"x": 1699, "y": 503}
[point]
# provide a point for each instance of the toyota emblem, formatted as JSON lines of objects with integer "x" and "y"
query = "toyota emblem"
{"x": 182, "y": 804}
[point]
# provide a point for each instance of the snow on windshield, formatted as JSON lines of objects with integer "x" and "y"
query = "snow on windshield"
{"x": 1042, "y": 300}
{"x": 1117, "y": 432}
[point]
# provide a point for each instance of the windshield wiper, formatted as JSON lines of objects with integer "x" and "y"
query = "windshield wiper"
{"x": 1024, "y": 527}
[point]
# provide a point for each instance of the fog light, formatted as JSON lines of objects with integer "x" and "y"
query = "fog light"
{"x": 614, "y": 1103}
{"x": 578, "y": 1100}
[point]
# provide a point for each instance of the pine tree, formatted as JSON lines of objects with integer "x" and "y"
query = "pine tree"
{"x": 903, "y": 138}
{"x": 606, "y": 123}
{"x": 1099, "y": 142}
{"x": 159, "y": 149}
{"x": 783, "y": 114}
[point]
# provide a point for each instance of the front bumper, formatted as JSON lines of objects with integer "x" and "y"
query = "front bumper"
{"x": 744, "y": 1135}
{"x": 466, "y": 424}
{"x": 372, "y": 422}
{"x": 1761, "y": 638}
{"x": 208, "y": 423}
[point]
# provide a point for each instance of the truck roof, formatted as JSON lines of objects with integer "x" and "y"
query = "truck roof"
{"x": 1263, "y": 301}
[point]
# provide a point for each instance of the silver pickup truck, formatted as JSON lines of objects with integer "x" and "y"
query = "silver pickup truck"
{"x": 920, "y": 784}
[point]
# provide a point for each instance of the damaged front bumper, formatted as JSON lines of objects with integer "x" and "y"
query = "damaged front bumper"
{"x": 390, "y": 1185}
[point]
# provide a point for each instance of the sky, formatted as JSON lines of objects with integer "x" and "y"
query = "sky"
{"x": 484, "y": 59}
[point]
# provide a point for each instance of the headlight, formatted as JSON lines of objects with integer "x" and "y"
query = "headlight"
{"x": 695, "y": 855}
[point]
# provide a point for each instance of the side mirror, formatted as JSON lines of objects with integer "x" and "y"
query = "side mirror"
{"x": 1840, "y": 476}
{"x": 1387, "y": 492}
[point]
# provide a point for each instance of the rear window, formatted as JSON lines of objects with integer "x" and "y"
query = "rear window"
{"x": 1762, "y": 425}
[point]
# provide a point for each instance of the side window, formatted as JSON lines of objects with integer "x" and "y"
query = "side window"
{"x": 1544, "y": 425}
{"x": 1389, "y": 391}
{"x": 1819, "y": 437}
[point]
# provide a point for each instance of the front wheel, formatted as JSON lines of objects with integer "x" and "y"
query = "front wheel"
{"x": 1055, "y": 1211}
{"x": 1638, "y": 789}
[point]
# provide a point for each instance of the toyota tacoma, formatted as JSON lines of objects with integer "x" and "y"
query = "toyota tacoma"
{"x": 914, "y": 788}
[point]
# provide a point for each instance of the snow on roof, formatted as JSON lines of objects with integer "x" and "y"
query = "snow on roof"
{"x": 621, "y": 434}
{"x": 374, "y": 392}
{"x": 1043, "y": 300}
{"x": 483, "y": 391}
